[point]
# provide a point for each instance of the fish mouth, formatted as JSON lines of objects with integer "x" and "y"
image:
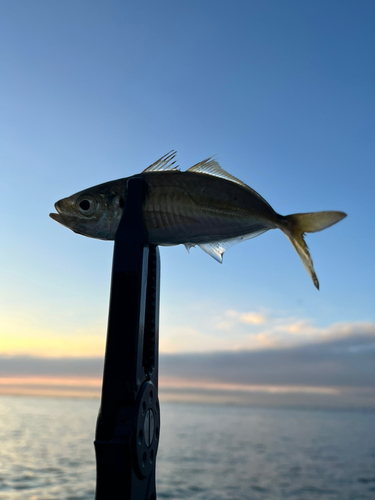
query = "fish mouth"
{"x": 57, "y": 218}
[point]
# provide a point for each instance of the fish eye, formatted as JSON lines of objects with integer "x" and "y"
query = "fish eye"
{"x": 86, "y": 204}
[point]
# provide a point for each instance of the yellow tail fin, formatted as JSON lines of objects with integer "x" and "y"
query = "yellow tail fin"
{"x": 298, "y": 224}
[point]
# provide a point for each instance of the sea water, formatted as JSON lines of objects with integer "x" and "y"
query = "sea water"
{"x": 207, "y": 452}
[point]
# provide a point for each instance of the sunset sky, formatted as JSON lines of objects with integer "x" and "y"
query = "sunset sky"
{"x": 283, "y": 94}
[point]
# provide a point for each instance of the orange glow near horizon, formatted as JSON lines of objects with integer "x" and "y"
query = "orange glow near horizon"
{"x": 22, "y": 336}
{"x": 175, "y": 383}
{"x": 84, "y": 387}
{"x": 90, "y": 387}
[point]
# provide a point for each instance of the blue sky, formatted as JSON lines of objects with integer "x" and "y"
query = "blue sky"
{"x": 282, "y": 93}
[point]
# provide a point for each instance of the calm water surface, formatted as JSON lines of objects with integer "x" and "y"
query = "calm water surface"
{"x": 206, "y": 452}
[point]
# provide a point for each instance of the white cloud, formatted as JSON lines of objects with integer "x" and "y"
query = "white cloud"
{"x": 232, "y": 318}
{"x": 251, "y": 330}
{"x": 205, "y": 329}
{"x": 252, "y": 318}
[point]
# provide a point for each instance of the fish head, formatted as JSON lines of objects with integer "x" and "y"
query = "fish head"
{"x": 95, "y": 212}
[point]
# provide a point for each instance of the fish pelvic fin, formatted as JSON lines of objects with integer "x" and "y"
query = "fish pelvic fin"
{"x": 188, "y": 246}
{"x": 296, "y": 225}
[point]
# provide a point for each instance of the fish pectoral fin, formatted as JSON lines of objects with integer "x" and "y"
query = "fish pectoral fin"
{"x": 162, "y": 220}
{"x": 217, "y": 248}
{"x": 164, "y": 163}
{"x": 211, "y": 167}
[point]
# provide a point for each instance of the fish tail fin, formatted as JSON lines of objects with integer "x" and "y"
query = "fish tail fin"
{"x": 296, "y": 225}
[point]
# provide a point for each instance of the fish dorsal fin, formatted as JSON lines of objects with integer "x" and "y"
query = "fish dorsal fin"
{"x": 211, "y": 167}
{"x": 164, "y": 163}
{"x": 217, "y": 248}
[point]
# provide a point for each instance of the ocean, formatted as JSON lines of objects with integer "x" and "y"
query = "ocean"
{"x": 207, "y": 452}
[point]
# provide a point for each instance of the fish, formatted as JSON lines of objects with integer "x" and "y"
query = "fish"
{"x": 204, "y": 206}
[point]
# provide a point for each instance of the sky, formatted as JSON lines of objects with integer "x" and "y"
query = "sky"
{"x": 284, "y": 94}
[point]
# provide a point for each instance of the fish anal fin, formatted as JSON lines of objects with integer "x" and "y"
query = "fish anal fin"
{"x": 216, "y": 249}
{"x": 212, "y": 167}
{"x": 166, "y": 162}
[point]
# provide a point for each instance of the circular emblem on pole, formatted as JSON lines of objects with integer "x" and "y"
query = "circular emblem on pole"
{"x": 147, "y": 430}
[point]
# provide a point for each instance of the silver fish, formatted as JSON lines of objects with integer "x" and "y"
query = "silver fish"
{"x": 203, "y": 206}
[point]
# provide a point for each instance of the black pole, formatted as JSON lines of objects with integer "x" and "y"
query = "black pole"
{"x": 128, "y": 425}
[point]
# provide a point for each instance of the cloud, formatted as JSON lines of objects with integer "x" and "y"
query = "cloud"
{"x": 251, "y": 330}
{"x": 206, "y": 329}
{"x": 252, "y": 318}
{"x": 239, "y": 356}
{"x": 346, "y": 361}
{"x": 338, "y": 373}
{"x": 232, "y": 318}
{"x": 43, "y": 366}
